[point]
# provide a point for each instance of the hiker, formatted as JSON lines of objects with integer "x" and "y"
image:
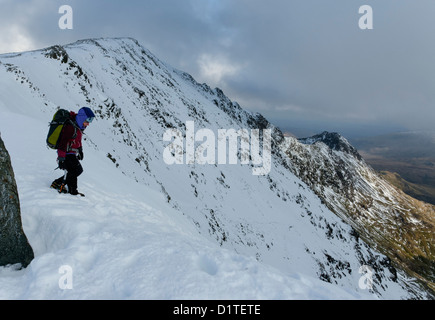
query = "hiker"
{"x": 70, "y": 150}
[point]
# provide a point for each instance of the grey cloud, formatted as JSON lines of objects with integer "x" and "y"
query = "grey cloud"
{"x": 295, "y": 60}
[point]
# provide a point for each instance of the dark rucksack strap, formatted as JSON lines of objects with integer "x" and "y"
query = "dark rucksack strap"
{"x": 68, "y": 149}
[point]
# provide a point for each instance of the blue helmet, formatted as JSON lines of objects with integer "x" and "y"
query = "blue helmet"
{"x": 84, "y": 114}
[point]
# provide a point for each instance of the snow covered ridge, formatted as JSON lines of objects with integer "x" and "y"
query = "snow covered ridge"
{"x": 334, "y": 141}
{"x": 399, "y": 226}
{"x": 147, "y": 229}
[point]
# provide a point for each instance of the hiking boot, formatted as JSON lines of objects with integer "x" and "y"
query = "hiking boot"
{"x": 76, "y": 193}
{"x": 57, "y": 185}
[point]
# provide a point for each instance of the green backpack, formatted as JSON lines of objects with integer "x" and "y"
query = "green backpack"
{"x": 60, "y": 118}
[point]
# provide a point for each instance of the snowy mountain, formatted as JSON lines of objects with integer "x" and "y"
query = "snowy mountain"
{"x": 391, "y": 221}
{"x": 171, "y": 212}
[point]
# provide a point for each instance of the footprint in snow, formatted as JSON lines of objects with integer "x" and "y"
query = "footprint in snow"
{"x": 207, "y": 265}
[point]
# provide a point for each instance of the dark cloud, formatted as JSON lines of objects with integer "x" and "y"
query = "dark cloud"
{"x": 297, "y": 62}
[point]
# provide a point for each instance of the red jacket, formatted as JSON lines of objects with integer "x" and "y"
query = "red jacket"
{"x": 71, "y": 139}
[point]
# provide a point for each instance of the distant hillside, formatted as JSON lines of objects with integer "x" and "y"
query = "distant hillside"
{"x": 409, "y": 154}
{"x": 381, "y": 214}
{"x": 421, "y": 192}
{"x": 400, "y": 145}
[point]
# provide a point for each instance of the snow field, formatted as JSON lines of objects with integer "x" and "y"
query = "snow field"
{"x": 123, "y": 241}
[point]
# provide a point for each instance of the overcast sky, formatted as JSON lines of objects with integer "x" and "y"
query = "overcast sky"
{"x": 301, "y": 63}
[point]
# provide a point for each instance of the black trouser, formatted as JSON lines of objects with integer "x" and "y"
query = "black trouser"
{"x": 74, "y": 168}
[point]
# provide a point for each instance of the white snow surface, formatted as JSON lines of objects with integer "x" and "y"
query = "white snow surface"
{"x": 146, "y": 230}
{"x": 123, "y": 241}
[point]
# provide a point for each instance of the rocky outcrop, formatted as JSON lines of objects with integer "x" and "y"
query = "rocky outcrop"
{"x": 14, "y": 246}
{"x": 397, "y": 225}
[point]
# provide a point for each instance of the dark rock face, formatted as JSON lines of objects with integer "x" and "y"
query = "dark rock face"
{"x": 14, "y": 246}
{"x": 334, "y": 141}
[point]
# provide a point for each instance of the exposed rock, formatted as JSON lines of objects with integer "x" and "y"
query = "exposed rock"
{"x": 334, "y": 141}
{"x": 399, "y": 226}
{"x": 14, "y": 246}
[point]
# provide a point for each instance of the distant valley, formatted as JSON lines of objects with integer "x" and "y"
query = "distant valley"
{"x": 405, "y": 159}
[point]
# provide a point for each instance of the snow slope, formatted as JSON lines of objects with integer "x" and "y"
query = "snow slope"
{"x": 151, "y": 230}
{"x": 123, "y": 241}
